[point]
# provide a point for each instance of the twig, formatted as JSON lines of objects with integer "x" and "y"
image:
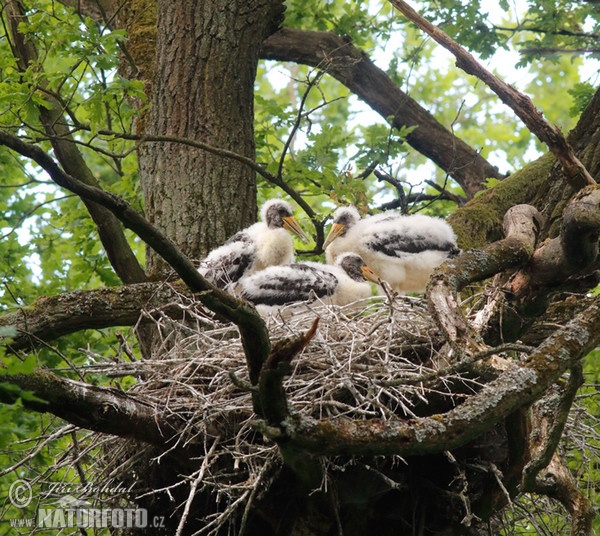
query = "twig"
{"x": 521, "y": 104}
{"x": 66, "y": 430}
{"x": 194, "y": 486}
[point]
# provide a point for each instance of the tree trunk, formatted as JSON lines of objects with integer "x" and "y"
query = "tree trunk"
{"x": 203, "y": 89}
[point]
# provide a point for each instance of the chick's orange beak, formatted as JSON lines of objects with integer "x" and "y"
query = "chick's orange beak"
{"x": 369, "y": 274}
{"x": 290, "y": 223}
{"x": 336, "y": 230}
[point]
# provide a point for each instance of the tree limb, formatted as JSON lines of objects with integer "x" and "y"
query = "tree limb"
{"x": 549, "y": 416}
{"x": 575, "y": 250}
{"x": 575, "y": 171}
{"x": 348, "y": 64}
{"x": 254, "y": 334}
{"x": 273, "y": 401}
{"x": 110, "y": 231}
{"x": 96, "y": 408}
{"x": 54, "y": 316}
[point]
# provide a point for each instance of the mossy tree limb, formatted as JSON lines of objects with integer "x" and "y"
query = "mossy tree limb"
{"x": 96, "y": 408}
{"x": 514, "y": 388}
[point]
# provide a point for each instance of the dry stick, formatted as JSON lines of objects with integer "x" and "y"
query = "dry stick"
{"x": 65, "y": 430}
{"x": 194, "y": 486}
{"x": 521, "y": 104}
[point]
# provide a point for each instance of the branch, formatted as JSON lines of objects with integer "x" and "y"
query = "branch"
{"x": 516, "y": 387}
{"x": 110, "y": 231}
{"x": 549, "y": 416}
{"x": 96, "y": 408}
{"x": 254, "y": 334}
{"x": 572, "y": 254}
{"x": 273, "y": 401}
{"x": 558, "y": 482}
{"x": 349, "y": 65}
{"x": 51, "y": 317}
{"x": 575, "y": 171}
{"x": 521, "y": 227}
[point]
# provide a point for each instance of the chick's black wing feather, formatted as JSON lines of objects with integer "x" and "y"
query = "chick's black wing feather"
{"x": 396, "y": 245}
{"x": 289, "y": 284}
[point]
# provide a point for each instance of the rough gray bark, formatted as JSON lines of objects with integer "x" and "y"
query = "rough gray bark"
{"x": 102, "y": 409}
{"x": 203, "y": 89}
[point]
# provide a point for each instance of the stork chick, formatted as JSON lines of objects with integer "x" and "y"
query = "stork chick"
{"x": 402, "y": 250}
{"x": 338, "y": 284}
{"x": 265, "y": 243}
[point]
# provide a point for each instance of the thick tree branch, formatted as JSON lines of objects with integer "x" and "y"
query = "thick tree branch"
{"x": 95, "y": 408}
{"x": 575, "y": 251}
{"x": 348, "y": 64}
{"x": 549, "y": 416}
{"x": 575, "y": 171}
{"x": 54, "y": 316}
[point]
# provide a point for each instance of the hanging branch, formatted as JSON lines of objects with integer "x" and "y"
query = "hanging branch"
{"x": 310, "y": 84}
{"x": 521, "y": 104}
{"x": 111, "y": 234}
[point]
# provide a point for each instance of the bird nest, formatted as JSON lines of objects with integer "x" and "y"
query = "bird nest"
{"x": 379, "y": 358}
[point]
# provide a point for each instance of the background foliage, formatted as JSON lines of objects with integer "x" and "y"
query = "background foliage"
{"x": 48, "y": 242}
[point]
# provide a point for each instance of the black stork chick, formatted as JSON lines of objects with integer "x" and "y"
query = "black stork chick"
{"x": 265, "y": 243}
{"x": 339, "y": 284}
{"x": 401, "y": 249}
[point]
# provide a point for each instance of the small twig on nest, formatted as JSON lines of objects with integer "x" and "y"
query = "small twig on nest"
{"x": 205, "y": 463}
{"x": 464, "y": 492}
{"x": 499, "y": 476}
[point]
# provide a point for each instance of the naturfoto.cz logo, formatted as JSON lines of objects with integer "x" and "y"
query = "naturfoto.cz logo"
{"x": 72, "y": 512}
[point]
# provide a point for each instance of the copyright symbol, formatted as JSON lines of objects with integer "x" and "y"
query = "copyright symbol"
{"x": 20, "y": 493}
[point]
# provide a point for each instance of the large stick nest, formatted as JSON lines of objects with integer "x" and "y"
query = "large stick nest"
{"x": 375, "y": 359}
{"x": 380, "y": 358}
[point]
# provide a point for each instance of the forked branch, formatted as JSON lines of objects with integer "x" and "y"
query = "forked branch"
{"x": 254, "y": 334}
{"x": 521, "y": 104}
